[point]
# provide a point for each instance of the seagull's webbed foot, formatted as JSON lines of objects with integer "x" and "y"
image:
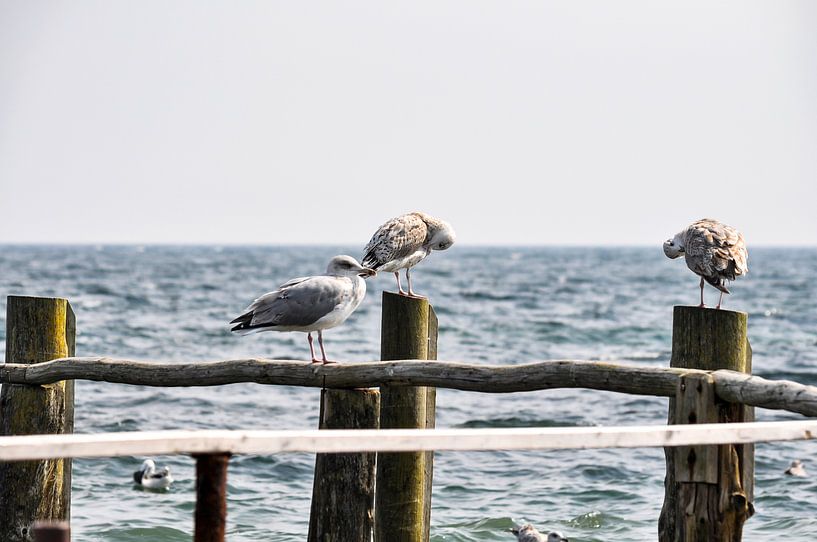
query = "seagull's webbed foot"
{"x": 329, "y": 362}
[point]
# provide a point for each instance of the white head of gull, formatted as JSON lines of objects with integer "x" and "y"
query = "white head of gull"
{"x": 309, "y": 304}
{"x": 714, "y": 251}
{"x": 405, "y": 241}
{"x": 152, "y": 478}
{"x": 796, "y": 469}
{"x": 528, "y": 533}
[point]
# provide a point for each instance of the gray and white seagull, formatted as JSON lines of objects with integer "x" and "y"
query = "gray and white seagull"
{"x": 309, "y": 304}
{"x": 714, "y": 251}
{"x": 528, "y": 533}
{"x": 405, "y": 241}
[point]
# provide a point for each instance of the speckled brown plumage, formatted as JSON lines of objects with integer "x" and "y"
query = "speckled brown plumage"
{"x": 713, "y": 250}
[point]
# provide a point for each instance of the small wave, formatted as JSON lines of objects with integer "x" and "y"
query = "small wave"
{"x": 140, "y": 534}
{"x": 100, "y": 289}
{"x": 513, "y": 422}
{"x": 487, "y": 296}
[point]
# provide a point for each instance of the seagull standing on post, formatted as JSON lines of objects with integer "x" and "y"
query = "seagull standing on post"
{"x": 714, "y": 251}
{"x": 309, "y": 303}
{"x": 405, "y": 241}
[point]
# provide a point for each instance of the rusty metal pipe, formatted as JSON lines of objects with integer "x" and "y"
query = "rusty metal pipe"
{"x": 211, "y": 497}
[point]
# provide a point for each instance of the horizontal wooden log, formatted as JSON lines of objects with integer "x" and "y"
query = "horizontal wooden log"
{"x": 632, "y": 379}
{"x": 29, "y": 447}
{"x": 454, "y": 375}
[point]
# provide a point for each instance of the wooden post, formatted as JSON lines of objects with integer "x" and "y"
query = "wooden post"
{"x": 211, "y": 497}
{"x": 52, "y": 531}
{"x": 403, "y": 492}
{"x": 703, "y": 501}
{"x": 38, "y": 329}
{"x": 343, "y": 489}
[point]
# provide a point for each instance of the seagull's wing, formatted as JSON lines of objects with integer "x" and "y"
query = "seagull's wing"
{"x": 395, "y": 239}
{"x": 164, "y": 472}
{"x": 299, "y": 302}
{"x": 718, "y": 249}
{"x": 698, "y": 250}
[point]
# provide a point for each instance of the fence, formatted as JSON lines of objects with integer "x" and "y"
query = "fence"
{"x": 710, "y": 465}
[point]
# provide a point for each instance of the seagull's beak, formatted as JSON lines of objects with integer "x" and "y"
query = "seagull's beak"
{"x": 366, "y": 273}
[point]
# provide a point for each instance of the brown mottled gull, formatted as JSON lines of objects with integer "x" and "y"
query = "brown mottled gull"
{"x": 309, "y": 303}
{"x": 405, "y": 241}
{"x": 713, "y": 250}
{"x": 528, "y": 533}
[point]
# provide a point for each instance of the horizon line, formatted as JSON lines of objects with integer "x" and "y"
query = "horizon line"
{"x": 326, "y": 245}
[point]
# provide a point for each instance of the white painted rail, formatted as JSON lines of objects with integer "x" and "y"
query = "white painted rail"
{"x": 31, "y": 447}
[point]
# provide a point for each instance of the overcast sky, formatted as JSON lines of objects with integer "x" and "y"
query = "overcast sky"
{"x": 537, "y": 122}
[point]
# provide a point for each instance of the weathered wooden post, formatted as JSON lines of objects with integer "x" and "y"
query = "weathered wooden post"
{"x": 211, "y": 497}
{"x": 343, "y": 489}
{"x": 38, "y": 329}
{"x": 403, "y": 491}
{"x": 708, "y": 489}
{"x": 52, "y": 531}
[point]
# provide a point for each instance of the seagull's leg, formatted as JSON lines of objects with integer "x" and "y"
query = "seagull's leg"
{"x": 702, "y": 293}
{"x": 323, "y": 352}
{"x": 399, "y": 288}
{"x": 312, "y": 348}
{"x": 410, "y": 291}
{"x": 720, "y": 300}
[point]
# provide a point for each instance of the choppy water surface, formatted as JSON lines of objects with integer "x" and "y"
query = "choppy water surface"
{"x": 504, "y": 306}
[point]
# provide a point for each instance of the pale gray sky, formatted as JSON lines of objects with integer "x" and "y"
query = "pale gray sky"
{"x": 538, "y": 122}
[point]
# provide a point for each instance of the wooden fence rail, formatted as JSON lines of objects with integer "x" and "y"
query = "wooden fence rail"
{"x": 730, "y": 386}
{"x": 207, "y": 441}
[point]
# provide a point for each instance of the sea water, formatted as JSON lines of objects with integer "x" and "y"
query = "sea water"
{"x": 495, "y": 306}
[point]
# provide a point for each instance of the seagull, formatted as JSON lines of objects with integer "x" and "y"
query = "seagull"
{"x": 405, "y": 241}
{"x": 309, "y": 303}
{"x": 713, "y": 250}
{"x": 151, "y": 477}
{"x": 796, "y": 469}
{"x": 528, "y": 533}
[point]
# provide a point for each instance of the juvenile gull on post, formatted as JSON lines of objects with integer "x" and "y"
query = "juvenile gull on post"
{"x": 309, "y": 303}
{"x": 528, "y": 533}
{"x": 152, "y": 478}
{"x": 714, "y": 251}
{"x": 405, "y": 241}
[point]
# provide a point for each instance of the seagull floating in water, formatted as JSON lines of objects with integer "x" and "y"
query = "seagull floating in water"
{"x": 528, "y": 533}
{"x": 151, "y": 477}
{"x": 714, "y": 251}
{"x": 796, "y": 469}
{"x": 405, "y": 241}
{"x": 309, "y": 304}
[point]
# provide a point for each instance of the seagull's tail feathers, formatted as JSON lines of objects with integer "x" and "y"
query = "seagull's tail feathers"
{"x": 244, "y": 324}
{"x": 370, "y": 260}
{"x": 717, "y": 282}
